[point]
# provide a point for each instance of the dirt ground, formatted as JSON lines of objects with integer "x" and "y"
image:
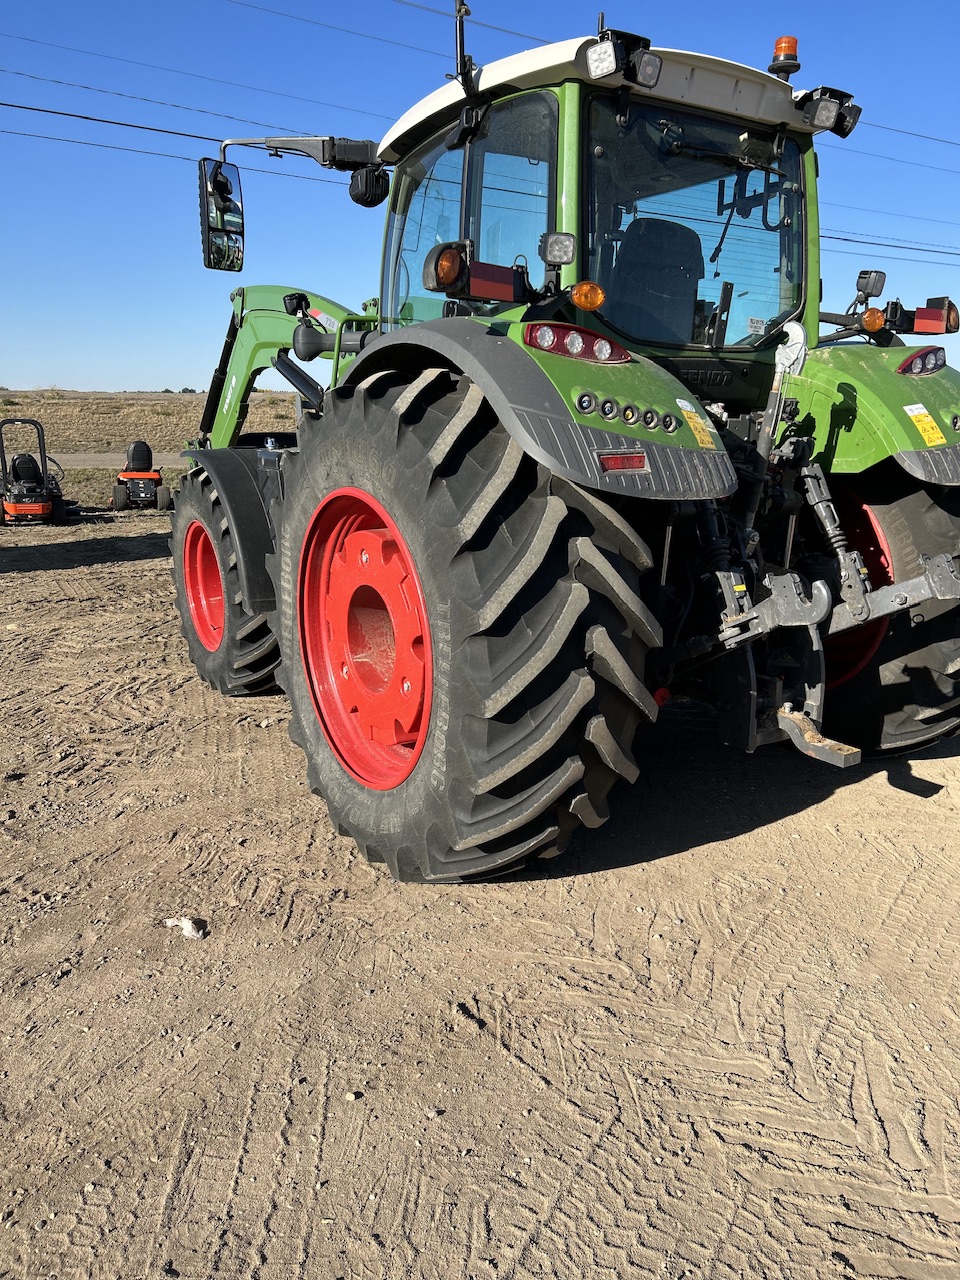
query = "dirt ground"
{"x": 720, "y": 1037}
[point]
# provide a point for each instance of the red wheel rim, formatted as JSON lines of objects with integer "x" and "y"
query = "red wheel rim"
{"x": 848, "y": 653}
{"x": 365, "y": 639}
{"x": 203, "y": 583}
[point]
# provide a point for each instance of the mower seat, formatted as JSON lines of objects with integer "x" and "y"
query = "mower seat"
{"x": 25, "y": 469}
{"x": 653, "y": 287}
{"x": 139, "y": 456}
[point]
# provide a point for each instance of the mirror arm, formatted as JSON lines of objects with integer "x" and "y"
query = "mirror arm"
{"x": 332, "y": 153}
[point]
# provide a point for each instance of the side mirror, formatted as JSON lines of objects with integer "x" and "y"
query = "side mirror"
{"x": 221, "y": 216}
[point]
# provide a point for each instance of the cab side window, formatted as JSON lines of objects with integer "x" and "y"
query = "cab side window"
{"x": 511, "y": 182}
{"x": 498, "y": 191}
{"x": 425, "y": 211}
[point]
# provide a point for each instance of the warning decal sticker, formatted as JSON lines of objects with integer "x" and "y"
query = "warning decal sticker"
{"x": 923, "y": 421}
{"x": 697, "y": 425}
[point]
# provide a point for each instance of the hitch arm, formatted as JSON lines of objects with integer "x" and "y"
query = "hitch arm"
{"x": 940, "y": 580}
{"x": 805, "y": 735}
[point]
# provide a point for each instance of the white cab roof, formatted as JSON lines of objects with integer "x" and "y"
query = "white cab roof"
{"x": 693, "y": 79}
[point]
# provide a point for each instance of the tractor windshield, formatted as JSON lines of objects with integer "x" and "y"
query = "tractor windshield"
{"x": 695, "y": 225}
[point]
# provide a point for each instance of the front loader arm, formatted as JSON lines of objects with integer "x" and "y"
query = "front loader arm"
{"x": 260, "y": 327}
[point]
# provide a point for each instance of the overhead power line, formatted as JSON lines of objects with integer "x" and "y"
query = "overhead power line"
{"x": 196, "y": 75}
{"x": 889, "y": 257}
{"x": 900, "y": 244}
{"x": 364, "y": 35}
{"x": 122, "y": 124}
{"x": 915, "y": 164}
{"x": 328, "y": 26}
{"x": 444, "y": 13}
{"x": 289, "y": 130}
{"x": 103, "y": 146}
{"x": 889, "y": 213}
{"x": 166, "y": 155}
{"x": 909, "y": 133}
{"x": 914, "y": 247}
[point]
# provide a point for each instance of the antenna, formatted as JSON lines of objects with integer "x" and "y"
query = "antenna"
{"x": 465, "y": 64}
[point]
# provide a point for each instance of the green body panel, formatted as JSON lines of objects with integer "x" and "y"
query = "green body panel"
{"x": 854, "y": 403}
{"x": 259, "y": 330}
{"x": 810, "y": 319}
{"x": 568, "y": 172}
{"x": 641, "y": 383}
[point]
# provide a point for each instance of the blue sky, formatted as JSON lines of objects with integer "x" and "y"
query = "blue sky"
{"x": 102, "y": 283}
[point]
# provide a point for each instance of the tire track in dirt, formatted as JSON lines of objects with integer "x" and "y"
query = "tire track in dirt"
{"x": 774, "y": 1060}
{"x": 713, "y": 1063}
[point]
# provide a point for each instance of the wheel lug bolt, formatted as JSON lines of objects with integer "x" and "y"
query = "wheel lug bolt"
{"x": 344, "y": 671}
{"x": 364, "y": 558}
{"x": 405, "y": 686}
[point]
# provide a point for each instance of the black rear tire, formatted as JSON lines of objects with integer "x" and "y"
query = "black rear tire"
{"x": 526, "y": 590}
{"x": 164, "y": 498}
{"x": 908, "y": 692}
{"x": 233, "y": 649}
{"x": 121, "y": 498}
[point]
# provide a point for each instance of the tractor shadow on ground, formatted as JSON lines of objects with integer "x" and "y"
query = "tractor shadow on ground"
{"x": 61, "y": 552}
{"x": 693, "y": 791}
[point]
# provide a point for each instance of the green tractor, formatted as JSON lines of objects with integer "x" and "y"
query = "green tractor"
{"x": 593, "y": 448}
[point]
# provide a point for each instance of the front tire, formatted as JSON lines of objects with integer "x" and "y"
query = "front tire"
{"x": 894, "y": 684}
{"x": 233, "y": 650}
{"x": 462, "y": 632}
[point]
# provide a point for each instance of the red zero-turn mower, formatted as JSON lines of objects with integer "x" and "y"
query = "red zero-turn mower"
{"x": 30, "y": 491}
{"x": 139, "y": 484}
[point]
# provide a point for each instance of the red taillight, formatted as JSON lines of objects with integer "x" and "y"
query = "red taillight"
{"x": 940, "y": 315}
{"x": 622, "y": 461}
{"x": 580, "y": 344}
{"x": 927, "y": 360}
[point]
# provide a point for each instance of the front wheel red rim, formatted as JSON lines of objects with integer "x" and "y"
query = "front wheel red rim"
{"x": 203, "y": 585}
{"x": 365, "y": 639}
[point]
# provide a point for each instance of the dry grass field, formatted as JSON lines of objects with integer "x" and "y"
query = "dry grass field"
{"x": 718, "y": 1038}
{"x": 78, "y": 423}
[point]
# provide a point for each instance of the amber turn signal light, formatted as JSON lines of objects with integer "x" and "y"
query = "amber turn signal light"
{"x": 449, "y": 266}
{"x": 873, "y": 320}
{"x": 587, "y": 295}
{"x": 445, "y": 268}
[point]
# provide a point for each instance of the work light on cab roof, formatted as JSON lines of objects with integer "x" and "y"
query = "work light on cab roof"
{"x": 620, "y": 52}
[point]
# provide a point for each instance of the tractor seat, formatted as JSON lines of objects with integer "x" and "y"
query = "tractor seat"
{"x": 139, "y": 456}
{"x": 25, "y": 469}
{"x": 652, "y": 293}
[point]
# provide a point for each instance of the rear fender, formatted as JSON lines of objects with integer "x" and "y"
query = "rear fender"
{"x": 535, "y": 414}
{"x": 235, "y": 474}
{"x": 860, "y": 411}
